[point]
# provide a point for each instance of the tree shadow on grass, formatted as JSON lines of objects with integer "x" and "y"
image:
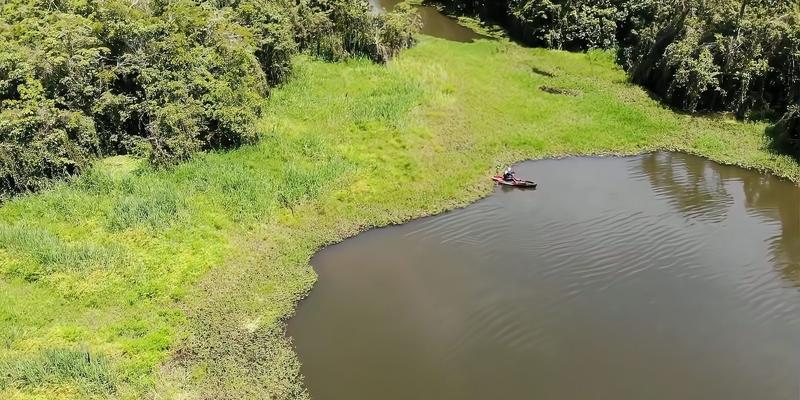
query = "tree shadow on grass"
{"x": 781, "y": 141}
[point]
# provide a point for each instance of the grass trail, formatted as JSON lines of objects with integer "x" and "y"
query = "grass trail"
{"x": 131, "y": 283}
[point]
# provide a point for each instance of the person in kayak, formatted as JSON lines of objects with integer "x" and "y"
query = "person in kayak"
{"x": 509, "y": 176}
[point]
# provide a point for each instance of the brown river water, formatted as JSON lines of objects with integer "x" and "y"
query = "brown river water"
{"x": 661, "y": 276}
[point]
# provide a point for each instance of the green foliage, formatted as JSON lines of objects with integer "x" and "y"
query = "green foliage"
{"x": 347, "y": 28}
{"x": 159, "y": 78}
{"x": 693, "y": 75}
{"x": 397, "y": 29}
{"x": 732, "y": 55}
{"x": 568, "y": 25}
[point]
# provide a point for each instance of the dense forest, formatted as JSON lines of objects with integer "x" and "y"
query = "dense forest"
{"x": 158, "y": 78}
{"x": 740, "y": 56}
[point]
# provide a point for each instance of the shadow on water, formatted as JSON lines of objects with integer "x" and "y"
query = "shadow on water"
{"x": 660, "y": 277}
{"x": 434, "y": 23}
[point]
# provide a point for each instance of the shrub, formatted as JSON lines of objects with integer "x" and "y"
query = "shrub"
{"x": 397, "y": 29}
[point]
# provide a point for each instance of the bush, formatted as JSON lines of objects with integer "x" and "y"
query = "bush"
{"x": 38, "y": 141}
{"x": 739, "y": 56}
{"x": 348, "y": 28}
{"x": 397, "y": 29}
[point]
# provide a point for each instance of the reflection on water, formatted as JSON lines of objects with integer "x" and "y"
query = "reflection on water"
{"x": 775, "y": 201}
{"x": 434, "y": 23}
{"x": 663, "y": 276}
{"x": 700, "y": 189}
{"x": 692, "y": 186}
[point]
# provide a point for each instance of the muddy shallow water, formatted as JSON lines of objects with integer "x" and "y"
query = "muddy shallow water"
{"x": 434, "y": 23}
{"x": 662, "y": 276}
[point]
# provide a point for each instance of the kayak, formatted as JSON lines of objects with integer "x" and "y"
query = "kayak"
{"x": 518, "y": 183}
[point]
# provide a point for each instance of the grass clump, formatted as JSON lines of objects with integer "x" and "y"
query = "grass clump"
{"x": 90, "y": 373}
{"x": 47, "y": 253}
{"x": 155, "y": 208}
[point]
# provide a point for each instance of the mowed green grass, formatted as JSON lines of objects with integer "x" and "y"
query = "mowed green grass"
{"x": 135, "y": 283}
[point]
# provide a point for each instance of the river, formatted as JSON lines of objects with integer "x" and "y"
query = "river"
{"x": 661, "y": 276}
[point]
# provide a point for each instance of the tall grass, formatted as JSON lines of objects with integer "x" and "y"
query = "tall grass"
{"x": 304, "y": 182}
{"x": 91, "y": 373}
{"x": 47, "y": 253}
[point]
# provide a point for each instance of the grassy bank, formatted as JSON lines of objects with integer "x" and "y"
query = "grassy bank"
{"x": 131, "y": 283}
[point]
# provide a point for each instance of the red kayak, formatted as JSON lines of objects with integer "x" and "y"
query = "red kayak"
{"x": 517, "y": 182}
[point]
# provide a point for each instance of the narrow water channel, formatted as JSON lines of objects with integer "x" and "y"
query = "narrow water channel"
{"x": 662, "y": 276}
{"x": 434, "y": 23}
